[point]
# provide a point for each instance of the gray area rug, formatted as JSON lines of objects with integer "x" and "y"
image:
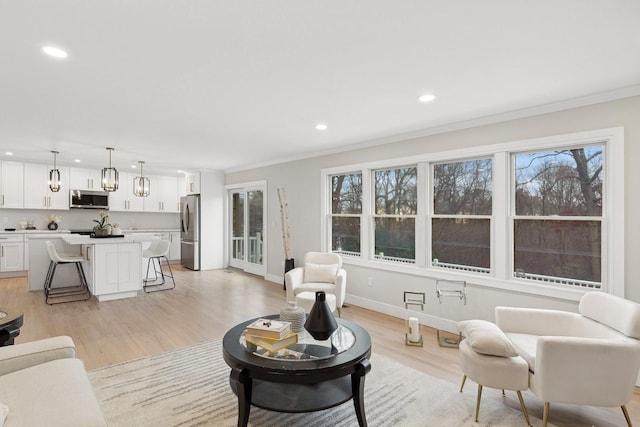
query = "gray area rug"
{"x": 190, "y": 387}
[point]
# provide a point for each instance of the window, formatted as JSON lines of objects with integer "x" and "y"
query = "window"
{"x": 346, "y": 210}
{"x": 461, "y": 220}
{"x": 544, "y": 216}
{"x": 557, "y": 227}
{"x": 396, "y": 207}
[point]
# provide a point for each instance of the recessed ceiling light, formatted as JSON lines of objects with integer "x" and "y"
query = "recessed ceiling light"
{"x": 427, "y": 97}
{"x": 54, "y": 51}
{"x": 133, "y": 166}
{"x": 9, "y": 153}
{"x": 77, "y": 160}
{"x": 321, "y": 126}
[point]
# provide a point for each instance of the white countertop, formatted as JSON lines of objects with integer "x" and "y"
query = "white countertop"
{"x": 128, "y": 231}
{"x": 45, "y": 231}
{"x": 77, "y": 239}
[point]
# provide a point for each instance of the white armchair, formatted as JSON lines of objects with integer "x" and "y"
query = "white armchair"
{"x": 43, "y": 383}
{"x": 321, "y": 271}
{"x": 586, "y": 358}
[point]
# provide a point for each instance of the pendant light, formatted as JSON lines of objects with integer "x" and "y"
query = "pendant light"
{"x": 54, "y": 175}
{"x": 109, "y": 176}
{"x": 141, "y": 184}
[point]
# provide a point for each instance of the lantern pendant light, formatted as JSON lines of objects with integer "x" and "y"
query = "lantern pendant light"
{"x": 141, "y": 184}
{"x": 109, "y": 176}
{"x": 54, "y": 175}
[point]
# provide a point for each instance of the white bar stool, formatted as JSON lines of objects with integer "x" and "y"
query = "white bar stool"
{"x": 67, "y": 293}
{"x": 156, "y": 252}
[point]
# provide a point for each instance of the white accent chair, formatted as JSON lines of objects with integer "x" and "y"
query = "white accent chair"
{"x": 587, "y": 358}
{"x": 42, "y": 383}
{"x": 321, "y": 271}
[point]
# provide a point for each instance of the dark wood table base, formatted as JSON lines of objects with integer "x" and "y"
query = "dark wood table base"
{"x": 295, "y": 398}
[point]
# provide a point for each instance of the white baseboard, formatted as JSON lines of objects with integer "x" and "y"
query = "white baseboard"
{"x": 399, "y": 312}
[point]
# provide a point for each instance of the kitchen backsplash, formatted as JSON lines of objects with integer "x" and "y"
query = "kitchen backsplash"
{"x": 83, "y": 219}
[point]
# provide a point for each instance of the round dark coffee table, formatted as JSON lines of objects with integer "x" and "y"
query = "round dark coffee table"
{"x": 10, "y": 323}
{"x": 309, "y": 376}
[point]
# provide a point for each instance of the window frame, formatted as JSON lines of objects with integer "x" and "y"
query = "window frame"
{"x": 375, "y": 215}
{"x": 433, "y": 215}
{"x": 613, "y": 224}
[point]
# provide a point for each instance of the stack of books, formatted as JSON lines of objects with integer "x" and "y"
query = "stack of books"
{"x": 271, "y": 335}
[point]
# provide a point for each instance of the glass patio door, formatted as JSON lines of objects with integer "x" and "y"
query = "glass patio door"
{"x": 246, "y": 248}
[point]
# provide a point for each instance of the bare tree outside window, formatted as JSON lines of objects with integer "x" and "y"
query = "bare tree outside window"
{"x": 558, "y": 208}
{"x": 346, "y": 210}
{"x": 396, "y": 207}
{"x": 461, "y": 223}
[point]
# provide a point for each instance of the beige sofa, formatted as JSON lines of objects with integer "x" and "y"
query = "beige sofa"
{"x": 587, "y": 358}
{"x": 42, "y": 383}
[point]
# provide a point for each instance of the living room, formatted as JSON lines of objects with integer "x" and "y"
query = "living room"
{"x": 557, "y": 113}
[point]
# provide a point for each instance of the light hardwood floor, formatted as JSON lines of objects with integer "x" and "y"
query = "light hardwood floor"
{"x": 206, "y": 304}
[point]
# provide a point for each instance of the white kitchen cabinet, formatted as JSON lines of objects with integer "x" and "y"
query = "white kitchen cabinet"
{"x": 163, "y": 194}
{"x": 115, "y": 270}
{"x": 174, "y": 248}
{"x": 174, "y": 244}
{"x": 11, "y": 185}
{"x": 169, "y": 194}
{"x": 182, "y": 186}
{"x": 84, "y": 179}
{"x": 11, "y": 253}
{"x": 37, "y": 194}
{"x": 193, "y": 182}
{"x": 123, "y": 200}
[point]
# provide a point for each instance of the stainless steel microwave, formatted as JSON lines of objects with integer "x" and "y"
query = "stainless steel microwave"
{"x": 86, "y": 199}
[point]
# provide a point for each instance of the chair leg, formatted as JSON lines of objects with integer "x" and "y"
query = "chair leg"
{"x": 545, "y": 414}
{"x": 62, "y": 294}
{"x": 339, "y": 310}
{"x": 524, "y": 408}
{"x": 626, "y": 415}
{"x": 464, "y": 378}
{"x": 146, "y": 287}
{"x": 478, "y": 401}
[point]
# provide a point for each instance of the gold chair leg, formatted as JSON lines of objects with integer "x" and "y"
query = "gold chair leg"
{"x": 464, "y": 378}
{"x": 545, "y": 414}
{"x": 339, "y": 312}
{"x": 478, "y": 400}
{"x": 626, "y": 415}
{"x": 524, "y": 408}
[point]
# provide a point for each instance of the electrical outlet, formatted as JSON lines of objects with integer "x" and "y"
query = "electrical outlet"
{"x": 370, "y": 282}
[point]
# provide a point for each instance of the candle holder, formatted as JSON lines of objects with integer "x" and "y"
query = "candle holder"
{"x": 413, "y": 337}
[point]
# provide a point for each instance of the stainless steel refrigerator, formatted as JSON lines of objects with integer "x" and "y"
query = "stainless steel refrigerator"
{"x": 190, "y": 231}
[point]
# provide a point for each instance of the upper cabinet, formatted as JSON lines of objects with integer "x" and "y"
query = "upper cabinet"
{"x": 163, "y": 194}
{"x": 26, "y": 186}
{"x": 182, "y": 186}
{"x": 11, "y": 184}
{"x": 37, "y": 194}
{"x": 193, "y": 182}
{"x": 84, "y": 179}
{"x": 123, "y": 200}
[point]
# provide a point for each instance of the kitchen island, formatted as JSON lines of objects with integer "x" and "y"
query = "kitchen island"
{"x": 113, "y": 266}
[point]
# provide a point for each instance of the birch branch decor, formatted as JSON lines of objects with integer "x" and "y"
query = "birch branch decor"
{"x": 284, "y": 218}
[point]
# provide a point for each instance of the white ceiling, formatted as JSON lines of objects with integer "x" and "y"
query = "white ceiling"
{"x": 229, "y": 84}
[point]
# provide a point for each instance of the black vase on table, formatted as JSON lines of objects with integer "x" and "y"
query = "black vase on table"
{"x": 321, "y": 323}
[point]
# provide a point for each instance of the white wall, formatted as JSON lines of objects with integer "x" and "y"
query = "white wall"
{"x": 211, "y": 220}
{"x": 301, "y": 179}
